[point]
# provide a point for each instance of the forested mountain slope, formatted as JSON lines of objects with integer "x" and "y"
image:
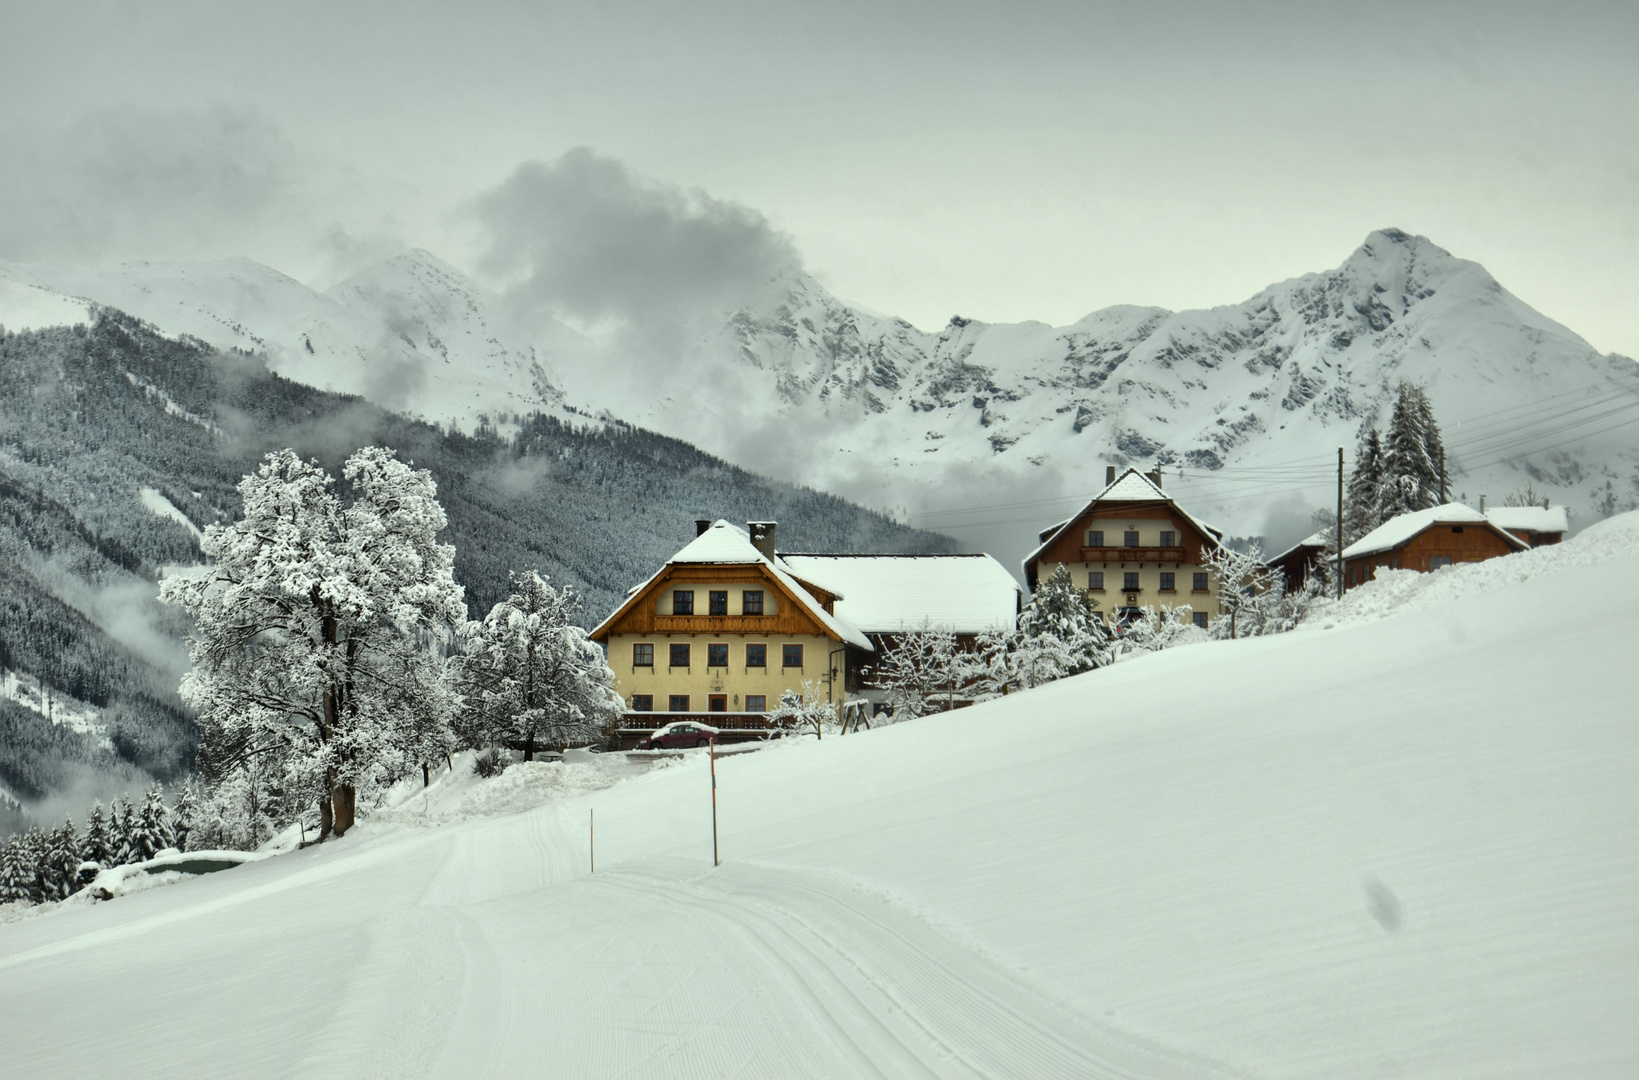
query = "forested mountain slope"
{"x": 118, "y": 444}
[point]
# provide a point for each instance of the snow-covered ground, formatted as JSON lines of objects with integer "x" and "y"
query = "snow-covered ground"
{"x": 1403, "y": 846}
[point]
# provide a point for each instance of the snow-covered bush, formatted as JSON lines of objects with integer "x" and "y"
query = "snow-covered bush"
{"x": 490, "y": 763}
{"x": 801, "y": 714}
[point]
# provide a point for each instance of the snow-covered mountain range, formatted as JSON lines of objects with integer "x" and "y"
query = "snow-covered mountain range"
{"x": 987, "y": 431}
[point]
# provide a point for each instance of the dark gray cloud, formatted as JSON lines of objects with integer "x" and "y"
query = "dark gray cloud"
{"x": 586, "y": 237}
{"x": 132, "y": 183}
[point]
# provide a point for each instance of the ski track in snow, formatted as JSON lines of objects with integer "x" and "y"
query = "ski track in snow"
{"x": 662, "y": 968}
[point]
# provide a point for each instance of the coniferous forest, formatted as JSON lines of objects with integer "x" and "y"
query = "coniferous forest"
{"x": 117, "y": 444}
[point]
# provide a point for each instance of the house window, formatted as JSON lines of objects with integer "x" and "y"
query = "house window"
{"x": 1095, "y": 538}
{"x": 791, "y": 656}
{"x": 1095, "y": 581}
{"x": 1200, "y": 582}
{"x": 1437, "y": 561}
{"x": 1130, "y": 538}
{"x": 643, "y": 703}
{"x": 1129, "y": 581}
{"x": 717, "y": 655}
{"x": 719, "y": 601}
{"x": 1200, "y": 619}
{"x": 757, "y": 656}
{"x": 643, "y": 654}
{"x": 1456, "y": 528}
{"x": 717, "y": 703}
{"x": 751, "y": 602}
{"x": 683, "y": 602}
{"x": 1169, "y": 539}
{"x": 756, "y": 703}
{"x": 677, "y": 703}
{"x": 679, "y": 656}
{"x": 1167, "y": 580}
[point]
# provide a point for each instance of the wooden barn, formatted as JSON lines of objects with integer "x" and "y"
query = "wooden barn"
{"x": 1427, "y": 540}
{"x": 1536, "y": 525}
{"x": 1301, "y": 561}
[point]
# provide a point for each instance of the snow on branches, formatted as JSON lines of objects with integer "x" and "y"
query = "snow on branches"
{"x": 530, "y": 676}
{"x": 321, "y": 628}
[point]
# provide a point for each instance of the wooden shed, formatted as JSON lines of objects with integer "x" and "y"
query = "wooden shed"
{"x": 1427, "y": 540}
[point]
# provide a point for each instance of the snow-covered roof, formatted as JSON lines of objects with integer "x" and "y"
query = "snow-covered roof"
{"x": 1313, "y": 540}
{"x": 1536, "y": 519}
{"x": 885, "y": 593}
{"x": 1130, "y": 486}
{"x": 1397, "y": 530}
{"x": 728, "y": 545}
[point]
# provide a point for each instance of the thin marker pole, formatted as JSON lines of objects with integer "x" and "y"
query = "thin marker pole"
{"x": 592, "y": 837}
{"x": 715, "y": 861}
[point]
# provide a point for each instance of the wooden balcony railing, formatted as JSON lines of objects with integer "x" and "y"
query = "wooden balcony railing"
{"x": 1133, "y": 554}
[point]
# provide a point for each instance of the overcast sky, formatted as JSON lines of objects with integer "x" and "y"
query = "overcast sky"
{"x": 1001, "y": 161}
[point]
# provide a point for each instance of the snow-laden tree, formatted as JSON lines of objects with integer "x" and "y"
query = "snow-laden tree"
{"x": 321, "y": 627}
{"x": 1412, "y": 457}
{"x": 531, "y": 677}
{"x": 1362, "y": 507}
{"x": 154, "y": 833}
{"x": 16, "y": 876}
{"x": 1243, "y": 581}
{"x": 182, "y": 816}
{"x": 924, "y": 669}
{"x": 94, "y": 844}
{"x": 1152, "y": 630}
{"x": 800, "y": 714}
{"x": 122, "y": 822}
{"x": 1063, "y": 613}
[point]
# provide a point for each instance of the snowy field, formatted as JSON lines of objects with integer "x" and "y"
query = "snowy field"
{"x": 1406, "y": 845}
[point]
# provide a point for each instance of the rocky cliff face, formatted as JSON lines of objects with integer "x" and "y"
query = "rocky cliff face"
{"x": 986, "y": 430}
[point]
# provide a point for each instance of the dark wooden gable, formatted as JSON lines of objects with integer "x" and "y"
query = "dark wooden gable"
{"x": 638, "y": 615}
{"x": 1070, "y": 544}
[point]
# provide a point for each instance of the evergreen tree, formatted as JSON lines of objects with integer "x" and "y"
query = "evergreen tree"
{"x": 63, "y": 861}
{"x": 1411, "y": 476}
{"x": 123, "y": 845}
{"x": 1362, "y": 509}
{"x": 94, "y": 844}
{"x": 182, "y": 815}
{"x": 15, "y": 875}
{"x": 1069, "y": 617}
{"x": 154, "y": 825}
{"x": 36, "y": 857}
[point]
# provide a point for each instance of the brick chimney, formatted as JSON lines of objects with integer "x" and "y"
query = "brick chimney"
{"x": 701, "y": 525}
{"x": 1109, "y": 475}
{"x": 762, "y": 537}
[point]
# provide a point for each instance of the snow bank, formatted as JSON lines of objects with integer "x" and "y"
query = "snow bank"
{"x": 459, "y": 794}
{"x": 1394, "y": 591}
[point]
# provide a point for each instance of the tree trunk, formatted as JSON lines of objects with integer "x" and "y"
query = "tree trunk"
{"x": 529, "y": 747}
{"x": 324, "y": 819}
{"x": 426, "y": 775}
{"x": 344, "y": 798}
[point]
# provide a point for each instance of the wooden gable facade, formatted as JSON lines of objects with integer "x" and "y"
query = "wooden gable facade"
{"x": 1151, "y": 552}
{"x": 1435, "y": 545}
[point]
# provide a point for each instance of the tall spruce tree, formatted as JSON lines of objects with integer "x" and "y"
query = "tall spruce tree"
{"x": 1362, "y": 509}
{"x": 182, "y": 816}
{"x": 94, "y": 844}
{"x": 15, "y": 876}
{"x": 1411, "y": 476}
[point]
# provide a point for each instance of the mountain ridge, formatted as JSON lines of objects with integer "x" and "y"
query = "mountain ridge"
{"x": 932, "y": 425}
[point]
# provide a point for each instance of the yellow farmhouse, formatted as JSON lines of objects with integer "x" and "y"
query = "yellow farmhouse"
{"x": 721, "y": 632}
{"x": 1133, "y": 547}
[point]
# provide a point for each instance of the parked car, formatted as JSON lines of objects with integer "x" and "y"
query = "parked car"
{"x": 679, "y": 735}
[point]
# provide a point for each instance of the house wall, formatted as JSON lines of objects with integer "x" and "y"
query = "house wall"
{"x": 736, "y": 680}
{"x": 1149, "y": 559}
{"x": 1474, "y": 543}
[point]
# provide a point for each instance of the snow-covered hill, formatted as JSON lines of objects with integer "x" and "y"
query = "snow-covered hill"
{"x": 1400, "y": 846}
{"x": 985, "y": 431}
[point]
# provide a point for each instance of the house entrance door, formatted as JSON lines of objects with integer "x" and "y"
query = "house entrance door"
{"x": 717, "y": 703}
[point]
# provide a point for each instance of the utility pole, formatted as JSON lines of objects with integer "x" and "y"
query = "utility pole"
{"x": 1442, "y": 476}
{"x": 1339, "y": 524}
